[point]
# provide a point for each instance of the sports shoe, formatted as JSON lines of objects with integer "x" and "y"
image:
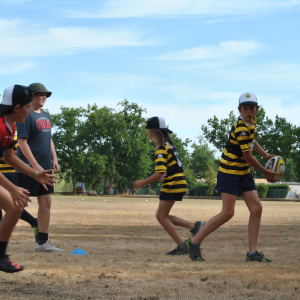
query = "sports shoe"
{"x": 177, "y": 251}
{"x": 35, "y": 230}
{"x": 197, "y": 227}
{"x": 186, "y": 245}
{"x": 6, "y": 265}
{"x": 47, "y": 247}
{"x": 194, "y": 251}
{"x": 257, "y": 257}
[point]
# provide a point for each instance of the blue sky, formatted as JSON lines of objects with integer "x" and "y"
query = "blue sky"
{"x": 184, "y": 60}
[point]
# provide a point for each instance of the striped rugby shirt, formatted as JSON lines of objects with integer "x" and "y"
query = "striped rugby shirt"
{"x": 4, "y": 167}
{"x": 168, "y": 161}
{"x": 241, "y": 139}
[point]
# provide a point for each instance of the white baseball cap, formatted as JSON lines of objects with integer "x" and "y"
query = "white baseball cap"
{"x": 14, "y": 95}
{"x": 248, "y": 98}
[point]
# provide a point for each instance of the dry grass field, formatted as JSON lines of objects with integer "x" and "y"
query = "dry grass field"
{"x": 126, "y": 253}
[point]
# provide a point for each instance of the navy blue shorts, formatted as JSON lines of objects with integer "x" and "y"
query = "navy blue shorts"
{"x": 235, "y": 184}
{"x": 171, "y": 196}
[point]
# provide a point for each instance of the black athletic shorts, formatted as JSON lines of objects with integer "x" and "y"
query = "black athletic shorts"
{"x": 171, "y": 196}
{"x": 34, "y": 187}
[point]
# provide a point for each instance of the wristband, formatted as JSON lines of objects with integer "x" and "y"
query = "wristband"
{"x": 36, "y": 173}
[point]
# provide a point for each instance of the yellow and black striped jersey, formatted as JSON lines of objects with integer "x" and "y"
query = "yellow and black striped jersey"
{"x": 168, "y": 161}
{"x": 241, "y": 139}
{"x": 4, "y": 167}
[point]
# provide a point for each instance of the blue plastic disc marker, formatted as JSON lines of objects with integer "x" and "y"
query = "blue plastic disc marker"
{"x": 78, "y": 252}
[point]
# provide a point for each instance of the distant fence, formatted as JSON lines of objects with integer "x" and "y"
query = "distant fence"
{"x": 146, "y": 191}
{"x": 201, "y": 191}
{"x": 141, "y": 191}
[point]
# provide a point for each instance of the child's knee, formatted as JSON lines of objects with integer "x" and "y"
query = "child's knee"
{"x": 228, "y": 214}
{"x": 14, "y": 211}
{"x": 18, "y": 211}
{"x": 45, "y": 203}
{"x": 48, "y": 204}
{"x": 256, "y": 210}
{"x": 159, "y": 216}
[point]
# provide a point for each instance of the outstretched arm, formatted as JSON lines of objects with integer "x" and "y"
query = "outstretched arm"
{"x": 251, "y": 160}
{"x": 40, "y": 176}
{"x": 154, "y": 177}
{"x": 261, "y": 151}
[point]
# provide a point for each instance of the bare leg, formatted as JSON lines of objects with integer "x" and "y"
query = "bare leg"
{"x": 252, "y": 201}
{"x": 162, "y": 216}
{"x": 11, "y": 217}
{"x": 181, "y": 222}
{"x": 215, "y": 222}
{"x": 44, "y": 202}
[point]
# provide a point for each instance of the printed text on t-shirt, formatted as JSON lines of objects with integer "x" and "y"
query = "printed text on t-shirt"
{"x": 43, "y": 124}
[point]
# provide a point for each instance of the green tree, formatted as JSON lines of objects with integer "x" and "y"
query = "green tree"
{"x": 121, "y": 137}
{"x": 210, "y": 176}
{"x": 190, "y": 179}
{"x": 94, "y": 167}
{"x": 278, "y": 137}
{"x": 296, "y": 154}
{"x": 76, "y": 162}
{"x": 217, "y": 131}
{"x": 202, "y": 157}
{"x": 290, "y": 173}
{"x": 135, "y": 161}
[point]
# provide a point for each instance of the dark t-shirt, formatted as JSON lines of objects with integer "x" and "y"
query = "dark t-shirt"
{"x": 37, "y": 130}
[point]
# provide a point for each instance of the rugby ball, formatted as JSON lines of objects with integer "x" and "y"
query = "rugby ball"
{"x": 276, "y": 164}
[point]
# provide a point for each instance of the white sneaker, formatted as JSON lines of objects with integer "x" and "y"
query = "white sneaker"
{"x": 47, "y": 247}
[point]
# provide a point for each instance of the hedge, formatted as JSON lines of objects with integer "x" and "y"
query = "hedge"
{"x": 278, "y": 190}
{"x": 272, "y": 190}
{"x": 264, "y": 190}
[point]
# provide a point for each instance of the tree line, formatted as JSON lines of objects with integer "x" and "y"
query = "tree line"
{"x": 102, "y": 146}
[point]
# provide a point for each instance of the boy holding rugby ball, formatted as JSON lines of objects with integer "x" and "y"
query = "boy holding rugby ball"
{"x": 234, "y": 179}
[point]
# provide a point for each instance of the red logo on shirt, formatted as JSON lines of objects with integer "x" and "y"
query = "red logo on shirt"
{"x": 43, "y": 124}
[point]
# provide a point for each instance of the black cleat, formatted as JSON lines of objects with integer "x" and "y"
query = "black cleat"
{"x": 194, "y": 251}
{"x": 177, "y": 251}
{"x": 6, "y": 265}
{"x": 197, "y": 227}
{"x": 257, "y": 257}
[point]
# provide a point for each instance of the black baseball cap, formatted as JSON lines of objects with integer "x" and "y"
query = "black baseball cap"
{"x": 14, "y": 95}
{"x": 39, "y": 88}
{"x": 158, "y": 123}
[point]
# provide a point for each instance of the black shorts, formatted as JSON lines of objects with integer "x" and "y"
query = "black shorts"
{"x": 235, "y": 184}
{"x": 34, "y": 187}
{"x": 171, "y": 196}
